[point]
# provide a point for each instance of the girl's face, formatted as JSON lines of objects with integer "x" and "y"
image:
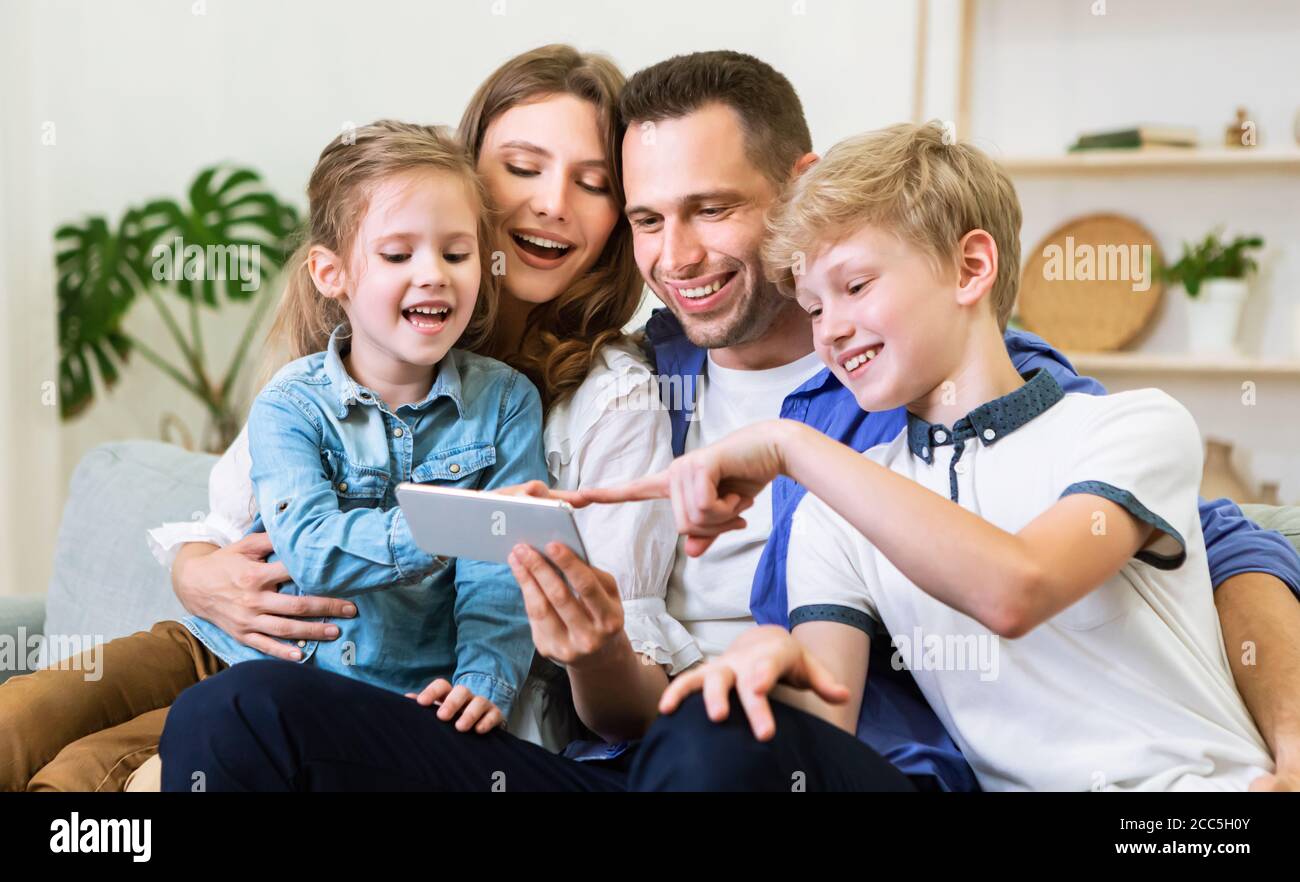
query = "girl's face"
{"x": 413, "y": 274}
{"x": 544, "y": 164}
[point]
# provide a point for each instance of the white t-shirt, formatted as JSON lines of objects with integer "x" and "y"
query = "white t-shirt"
{"x": 1128, "y": 688}
{"x": 710, "y": 594}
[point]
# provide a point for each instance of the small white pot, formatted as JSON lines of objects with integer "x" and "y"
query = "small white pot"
{"x": 1213, "y": 315}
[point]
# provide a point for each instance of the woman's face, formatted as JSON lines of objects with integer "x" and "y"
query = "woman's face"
{"x": 545, "y": 167}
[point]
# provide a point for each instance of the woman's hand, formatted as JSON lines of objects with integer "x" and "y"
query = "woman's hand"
{"x": 476, "y": 712}
{"x": 235, "y": 589}
{"x": 757, "y": 660}
{"x": 575, "y": 626}
{"x": 711, "y": 486}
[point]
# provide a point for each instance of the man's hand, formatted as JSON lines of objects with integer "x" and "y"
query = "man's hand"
{"x": 572, "y": 630}
{"x": 476, "y": 712}
{"x": 757, "y": 660}
{"x": 709, "y": 487}
{"x": 235, "y": 589}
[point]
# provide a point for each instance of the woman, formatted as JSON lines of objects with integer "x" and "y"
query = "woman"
{"x": 544, "y": 132}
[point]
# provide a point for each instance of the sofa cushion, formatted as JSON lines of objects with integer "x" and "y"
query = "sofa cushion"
{"x": 106, "y": 582}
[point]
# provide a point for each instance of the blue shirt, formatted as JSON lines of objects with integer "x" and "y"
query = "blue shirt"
{"x": 895, "y": 719}
{"x": 328, "y": 455}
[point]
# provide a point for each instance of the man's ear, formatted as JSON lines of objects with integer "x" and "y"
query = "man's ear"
{"x": 327, "y": 272}
{"x": 803, "y": 163}
{"x": 977, "y": 266}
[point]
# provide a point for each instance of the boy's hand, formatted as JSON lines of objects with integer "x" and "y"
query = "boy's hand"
{"x": 539, "y": 490}
{"x": 711, "y": 486}
{"x": 476, "y": 712}
{"x": 757, "y": 660}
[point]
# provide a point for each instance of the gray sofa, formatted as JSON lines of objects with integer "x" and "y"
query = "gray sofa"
{"x": 106, "y": 583}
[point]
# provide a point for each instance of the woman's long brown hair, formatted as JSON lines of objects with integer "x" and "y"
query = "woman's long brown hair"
{"x": 563, "y": 336}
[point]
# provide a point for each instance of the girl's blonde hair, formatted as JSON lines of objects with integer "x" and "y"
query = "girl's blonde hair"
{"x": 564, "y": 335}
{"x": 338, "y": 194}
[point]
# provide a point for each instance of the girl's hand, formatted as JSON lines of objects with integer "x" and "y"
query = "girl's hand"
{"x": 476, "y": 712}
{"x": 711, "y": 486}
{"x": 757, "y": 660}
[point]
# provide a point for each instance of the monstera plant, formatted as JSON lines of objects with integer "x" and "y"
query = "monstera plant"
{"x": 225, "y": 246}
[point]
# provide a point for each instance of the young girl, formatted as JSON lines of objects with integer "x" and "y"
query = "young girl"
{"x": 545, "y": 135}
{"x": 395, "y": 263}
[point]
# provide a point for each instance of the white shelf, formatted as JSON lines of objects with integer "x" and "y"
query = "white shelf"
{"x": 1245, "y": 159}
{"x": 1152, "y": 363}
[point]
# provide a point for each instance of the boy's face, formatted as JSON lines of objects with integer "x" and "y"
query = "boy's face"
{"x": 415, "y": 266}
{"x": 884, "y": 322}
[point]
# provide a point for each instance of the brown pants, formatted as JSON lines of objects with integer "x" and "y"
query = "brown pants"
{"x": 60, "y": 729}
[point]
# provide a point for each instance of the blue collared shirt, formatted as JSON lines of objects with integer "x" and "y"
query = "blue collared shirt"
{"x": 895, "y": 718}
{"x": 328, "y": 455}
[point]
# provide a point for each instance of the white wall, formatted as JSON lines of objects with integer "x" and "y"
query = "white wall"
{"x": 144, "y": 93}
{"x": 1045, "y": 71}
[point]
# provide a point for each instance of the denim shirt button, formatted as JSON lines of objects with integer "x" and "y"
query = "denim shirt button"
{"x": 343, "y": 487}
{"x": 397, "y": 433}
{"x": 302, "y": 643}
{"x": 453, "y": 468}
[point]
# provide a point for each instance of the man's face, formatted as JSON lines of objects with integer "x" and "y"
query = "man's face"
{"x": 696, "y": 206}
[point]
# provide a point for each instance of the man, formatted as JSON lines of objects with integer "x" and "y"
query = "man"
{"x": 712, "y": 137}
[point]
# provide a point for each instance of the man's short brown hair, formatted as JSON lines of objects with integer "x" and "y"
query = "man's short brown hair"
{"x": 776, "y": 133}
{"x": 911, "y": 180}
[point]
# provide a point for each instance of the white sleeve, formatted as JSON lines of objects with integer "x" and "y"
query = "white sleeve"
{"x": 830, "y": 570}
{"x": 230, "y": 502}
{"x": 1142, "y": 451}
{"x": 635, "y": 542}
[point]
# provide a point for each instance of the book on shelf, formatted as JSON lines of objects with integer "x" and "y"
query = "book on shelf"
{"x": 1137, "y": 138}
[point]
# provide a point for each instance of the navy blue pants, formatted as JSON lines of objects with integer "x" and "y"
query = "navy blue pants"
{"x": 275, "y": 725}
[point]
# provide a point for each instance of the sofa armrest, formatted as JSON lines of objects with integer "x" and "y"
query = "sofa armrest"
{"x": 22, "y": 623}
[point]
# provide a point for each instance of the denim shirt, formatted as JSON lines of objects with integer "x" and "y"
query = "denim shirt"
{"x": 895, "y": 718}
{"x": 327, "y": 456}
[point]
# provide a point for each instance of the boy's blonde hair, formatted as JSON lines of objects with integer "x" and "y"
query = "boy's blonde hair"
{"x": 905, "y": 179}
{"x": 338, "y": 193}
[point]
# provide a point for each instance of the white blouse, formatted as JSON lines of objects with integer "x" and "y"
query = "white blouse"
{"x": 611, "y": 429}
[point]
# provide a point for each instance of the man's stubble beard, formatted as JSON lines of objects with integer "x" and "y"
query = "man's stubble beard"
{"x": 752, "y": 316}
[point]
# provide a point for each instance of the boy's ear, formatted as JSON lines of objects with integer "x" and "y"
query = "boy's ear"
{"x": 803, "y": 163}
{"x": 327, "y": 272}
{"x": 977, "y": 266}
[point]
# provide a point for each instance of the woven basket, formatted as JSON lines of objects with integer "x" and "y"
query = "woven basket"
{"x": 1079, "y": 289}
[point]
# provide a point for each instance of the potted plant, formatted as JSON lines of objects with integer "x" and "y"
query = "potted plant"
{"x": 224, "y": 245}
{"x": 1214, "y": 275}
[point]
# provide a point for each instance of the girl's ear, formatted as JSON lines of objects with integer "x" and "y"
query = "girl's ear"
{"x": 977, "y": 266}
{"x": 327, "y": 272}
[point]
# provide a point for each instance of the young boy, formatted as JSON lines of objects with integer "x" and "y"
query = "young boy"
{"x": 1038, "y": 555}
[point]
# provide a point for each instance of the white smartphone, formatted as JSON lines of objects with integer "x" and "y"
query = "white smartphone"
{"x": 481, "y": 525}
